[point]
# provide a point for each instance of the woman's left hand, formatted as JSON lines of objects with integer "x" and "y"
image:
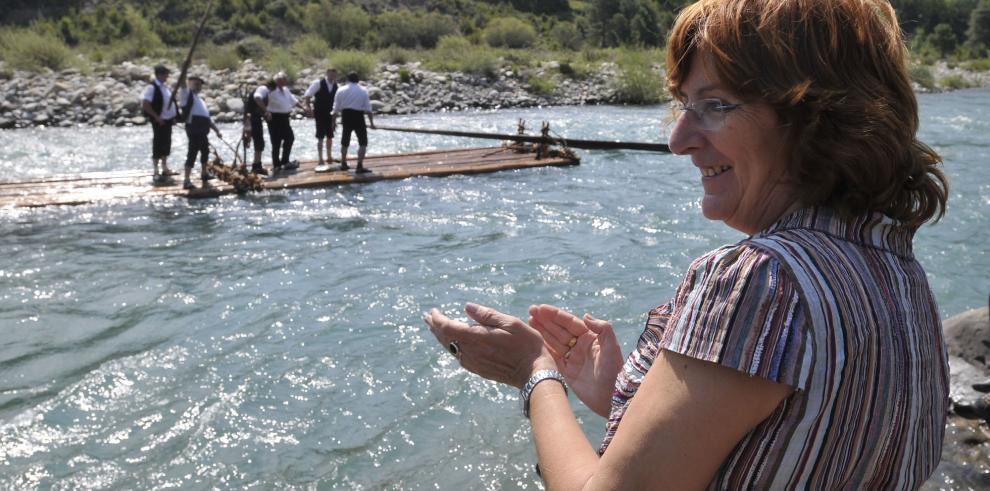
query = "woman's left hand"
{"x": 498, "y": 347}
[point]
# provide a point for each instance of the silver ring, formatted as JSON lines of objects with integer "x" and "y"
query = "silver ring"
{"x": 455, "y": 349}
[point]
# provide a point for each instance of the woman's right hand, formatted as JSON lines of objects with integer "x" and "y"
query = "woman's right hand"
{"x": 592, "y": 363}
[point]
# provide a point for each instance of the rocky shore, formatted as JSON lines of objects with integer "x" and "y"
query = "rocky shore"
{"x": 966, "y": 451}
{"x": 110, "y": 97}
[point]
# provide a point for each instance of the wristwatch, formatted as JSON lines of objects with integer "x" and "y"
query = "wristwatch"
{"x": 536, "y": 378}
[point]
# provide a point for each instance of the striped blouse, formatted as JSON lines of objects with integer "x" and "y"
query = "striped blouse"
{"x": 841, "y": 311}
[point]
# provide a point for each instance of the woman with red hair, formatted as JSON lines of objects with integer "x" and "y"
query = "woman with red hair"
{"x": 810, "y": 354}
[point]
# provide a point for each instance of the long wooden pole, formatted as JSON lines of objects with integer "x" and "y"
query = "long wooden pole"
{"x": 572, "y": 143}
{"x": 189, "y": 56}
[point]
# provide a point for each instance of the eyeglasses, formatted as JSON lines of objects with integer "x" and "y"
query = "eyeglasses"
{"x": 708, "y": 113}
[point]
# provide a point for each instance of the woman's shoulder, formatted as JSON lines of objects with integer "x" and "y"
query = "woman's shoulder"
{"x": 743, "y": 258}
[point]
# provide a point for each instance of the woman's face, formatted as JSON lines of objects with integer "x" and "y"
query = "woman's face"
{"x": 742, "y": 161}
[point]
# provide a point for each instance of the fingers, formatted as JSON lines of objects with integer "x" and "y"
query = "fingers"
{"x": 596, "y": 325}
{"x": 490, "y": 317}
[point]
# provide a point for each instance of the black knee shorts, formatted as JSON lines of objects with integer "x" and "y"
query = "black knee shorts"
{"x": 161, "y": 141}
{"x": 353, "y": 121}
{"x": 323, "y": 126}
{"x": 257, "y": 132}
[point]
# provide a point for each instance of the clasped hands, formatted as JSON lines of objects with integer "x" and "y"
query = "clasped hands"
{"x": 505, "y": 349}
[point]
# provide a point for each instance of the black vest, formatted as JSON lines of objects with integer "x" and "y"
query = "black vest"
{"x": 323, "y": 101}
{"x": 157, "y": 100}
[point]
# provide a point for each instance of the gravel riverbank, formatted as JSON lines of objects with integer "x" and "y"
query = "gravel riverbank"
{"x": 110, "y": 96}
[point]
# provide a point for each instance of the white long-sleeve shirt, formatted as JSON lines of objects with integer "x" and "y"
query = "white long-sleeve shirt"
{"x": 352, "y": 96}
{"x": 281, "y": 101}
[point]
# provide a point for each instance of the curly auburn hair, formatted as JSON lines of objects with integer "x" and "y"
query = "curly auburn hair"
{"x": 835, "y": 72}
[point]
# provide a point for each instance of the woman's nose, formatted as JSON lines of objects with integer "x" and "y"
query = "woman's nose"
{"x": 685, "y": 137}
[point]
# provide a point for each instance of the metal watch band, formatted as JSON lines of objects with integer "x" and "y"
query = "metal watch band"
{"x": 536, "y": 378}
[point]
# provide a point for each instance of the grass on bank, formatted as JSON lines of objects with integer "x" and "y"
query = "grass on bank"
{"x": 638, "y": 80}
{"x": 34, "y": 49}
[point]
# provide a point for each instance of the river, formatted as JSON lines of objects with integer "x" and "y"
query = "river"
{"x": 275, "y": 340}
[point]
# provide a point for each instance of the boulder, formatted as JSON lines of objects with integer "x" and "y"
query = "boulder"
{"x": 377, "y": 106}
{"x": 967, "y": 335}
{"x": 375, "y": 93}
{"x": 234, "y": 104}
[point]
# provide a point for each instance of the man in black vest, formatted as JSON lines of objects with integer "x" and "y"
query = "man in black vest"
{"x": 322, "y": 92}
{"x": 198, "y": 126}
{"x": 255, "y": 107}
{"x": 155, "y": 103}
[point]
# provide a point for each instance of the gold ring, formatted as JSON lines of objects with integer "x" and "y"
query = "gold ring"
{"x": 572, "y": 342}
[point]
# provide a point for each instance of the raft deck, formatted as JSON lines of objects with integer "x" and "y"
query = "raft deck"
{"x": 105, "y": 186}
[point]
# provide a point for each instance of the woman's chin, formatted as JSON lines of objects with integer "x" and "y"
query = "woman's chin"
{"x": 712, "y": 209}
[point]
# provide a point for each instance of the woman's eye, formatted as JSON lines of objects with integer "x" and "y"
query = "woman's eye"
{"x": 715, "y": 106}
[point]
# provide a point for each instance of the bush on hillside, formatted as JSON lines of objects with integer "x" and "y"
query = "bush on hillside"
{"x": 954, "y": 82}
{"x": 639, "y": 82}
{"x": 566, "y": 36}
{"x": 395, "y": 55}
{"x": 541, "y": 85}
{"x": 342, "y": 26}
{"x": 33, "y": 49}
{"x": 922, "y": 75}
{"x": 222, "y": 57}
{"x": 457, "y": 54}
{"x": 253, "y": 47}
{"x": 310, "y": 47}
{"x": 353, "y": 61}
{"x": 281, "y": 60}
{"x": 510, "y": 32}
{"x": 406, "y": 29}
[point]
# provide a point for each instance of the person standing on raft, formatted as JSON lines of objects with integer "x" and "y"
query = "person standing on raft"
{"x": 255, "y": 106}
{"x": 279, "y": 113}
{"x": 352, "y": 103}
{"x": 322, "y": 92}
{"x": 158, "y": 105}
{"x": 198, "y": 125}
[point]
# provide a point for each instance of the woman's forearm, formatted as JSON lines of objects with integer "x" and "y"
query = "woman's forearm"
{"x": 567, "y": 460}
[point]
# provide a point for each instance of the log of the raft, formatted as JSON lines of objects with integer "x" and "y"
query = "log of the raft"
{"x": 569, "y": 142}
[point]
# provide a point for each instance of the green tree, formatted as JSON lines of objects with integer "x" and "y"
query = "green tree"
{"x": 978, "y": 34}
{"x": 343, "y": 26}
{"x": 943, "y": 39}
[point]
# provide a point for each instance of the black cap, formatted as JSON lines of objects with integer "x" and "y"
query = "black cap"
{"x": 161, "y": 69}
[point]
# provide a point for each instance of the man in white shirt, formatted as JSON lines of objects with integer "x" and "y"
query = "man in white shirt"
{"x": 322, "y": 93}
{"x": 279, "y": 112}
{"x": 158, "y": 105}
{"x": 198, "y": 125}
{"x": 254, "y": 112}
{"x": 352, "y": 103}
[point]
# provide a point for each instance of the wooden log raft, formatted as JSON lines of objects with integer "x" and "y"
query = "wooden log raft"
{"x": 129, "y": 185}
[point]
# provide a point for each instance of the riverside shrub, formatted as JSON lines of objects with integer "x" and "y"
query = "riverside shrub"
{"x": 31, "y": 49}
{"x": 509, "y": 32}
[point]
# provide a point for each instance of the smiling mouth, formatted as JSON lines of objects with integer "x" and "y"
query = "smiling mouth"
{"x": 714, "y": 171}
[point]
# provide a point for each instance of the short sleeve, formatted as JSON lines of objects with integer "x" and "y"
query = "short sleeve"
{"x": 739, "y": 308}
{"x": 313, "y": 88}
{"x": 149, "y": 93}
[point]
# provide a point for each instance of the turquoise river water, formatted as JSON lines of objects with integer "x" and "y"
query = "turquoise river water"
{"x": 275, "y": 340}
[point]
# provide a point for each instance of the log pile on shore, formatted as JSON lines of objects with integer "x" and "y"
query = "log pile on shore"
{"x": 110, "y": 97}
